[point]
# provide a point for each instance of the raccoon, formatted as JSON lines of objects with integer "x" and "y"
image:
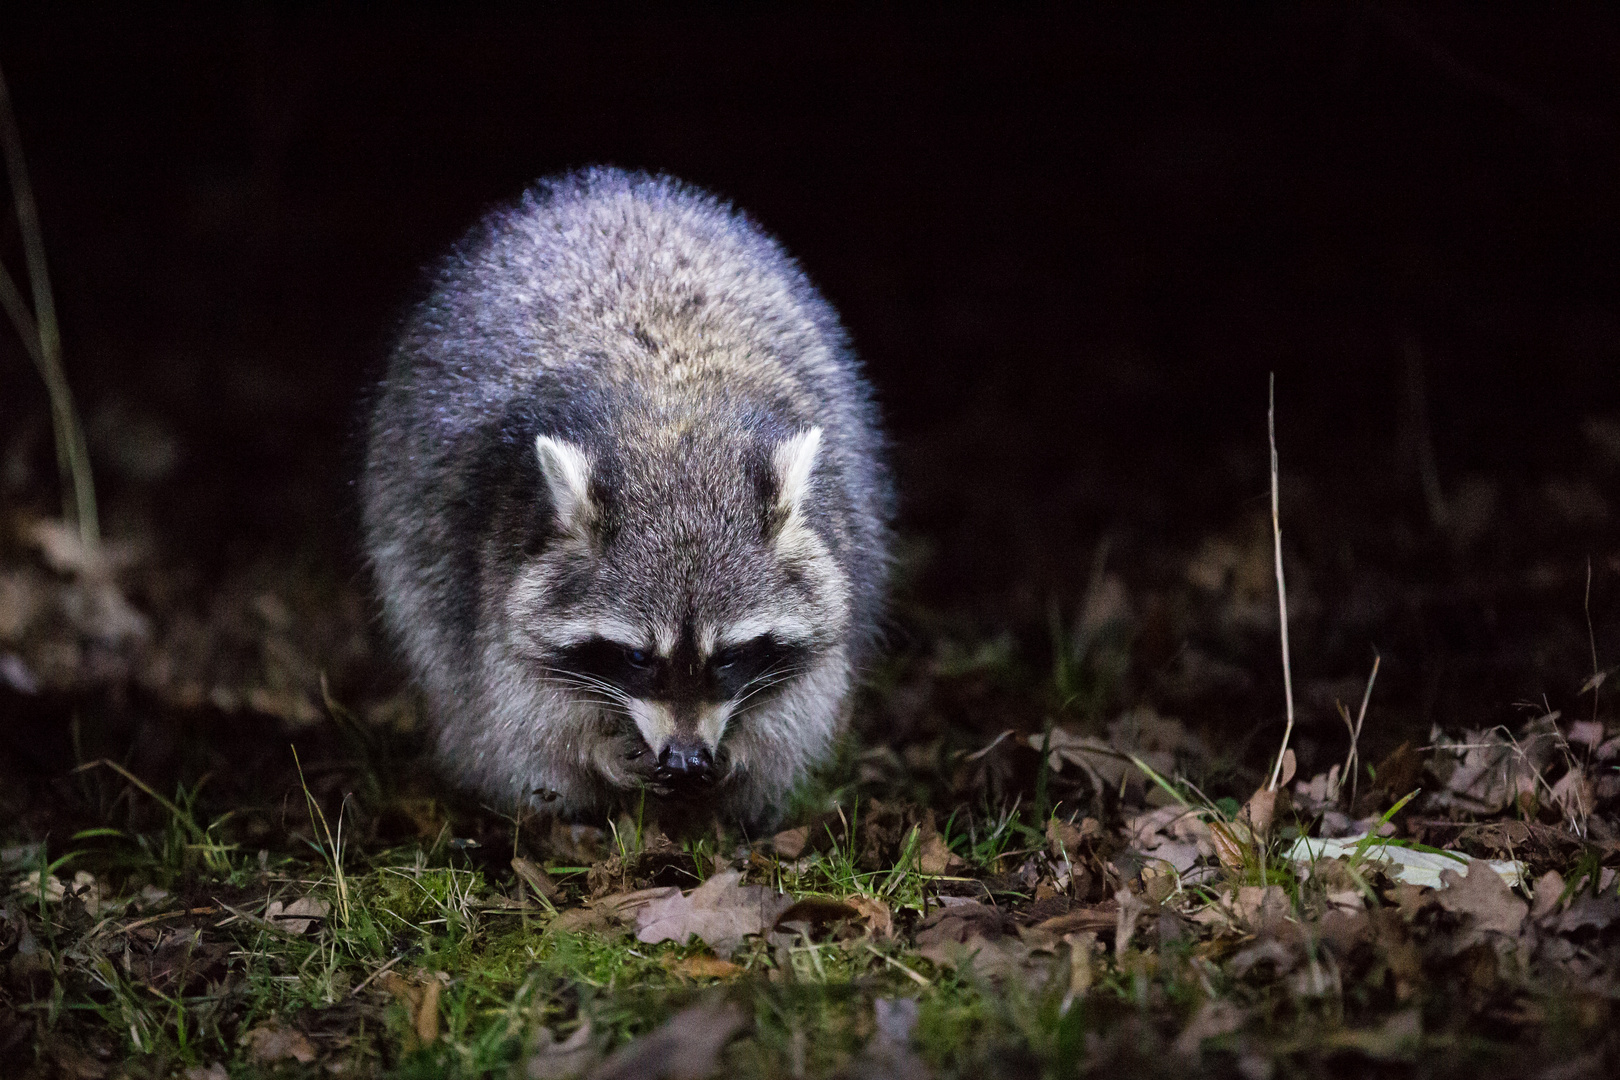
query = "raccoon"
{"x": 626, "y": 504}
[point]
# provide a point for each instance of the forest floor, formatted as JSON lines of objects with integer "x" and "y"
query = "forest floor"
{"x": 1048, "y": 847}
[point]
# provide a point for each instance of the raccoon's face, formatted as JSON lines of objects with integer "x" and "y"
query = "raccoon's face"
{"x": 680, "y": 594}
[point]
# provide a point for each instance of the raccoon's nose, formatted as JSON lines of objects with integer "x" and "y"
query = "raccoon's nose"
{"x": 686, "y": 761}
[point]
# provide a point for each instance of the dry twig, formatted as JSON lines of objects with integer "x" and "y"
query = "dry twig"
{"x": 1282, "y": 589}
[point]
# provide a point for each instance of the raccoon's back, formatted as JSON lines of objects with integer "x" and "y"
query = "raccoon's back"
{"x": 601, "y": 301}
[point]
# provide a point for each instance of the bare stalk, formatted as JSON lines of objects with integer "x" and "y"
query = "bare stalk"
{"x": 1282, "y": 589}
{"x": 1353, "y": 760}
{"x": 1596, "y": 681}
{"x": 41, "y": 337}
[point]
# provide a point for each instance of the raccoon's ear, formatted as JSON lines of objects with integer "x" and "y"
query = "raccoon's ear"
{"x": 567, "y": 472}
{"x": 793, "y": 462}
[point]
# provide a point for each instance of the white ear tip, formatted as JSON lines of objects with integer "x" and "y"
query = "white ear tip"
{"x": 567, "y": 472}
{"x": 795, "y": 460}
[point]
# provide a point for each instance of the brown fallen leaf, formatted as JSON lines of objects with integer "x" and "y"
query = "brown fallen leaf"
{"x": 297, "y": 917}
{"x": 720, "y": 912}
{"x": 818, "y": 911}
{"x": 1081, "y": 920}
{"x": 1260, "y": 810}
{"x": 998, "y": 958}
{"x": 972, "y": 936}
{"x": 934, "y": 856}
{"x": 275, "y": 1041}
{"x": 1130, "y": 908}
{"x": 421, "y": 1000}
{"x": 959, "y": 922}
{"x": 1228, "y": 845}
{"x": 1066, "y": 840}
{"x": 1485, "y": 897}
{"x": 687, "y": 1047}
{"x": 879, "y": 920}
{"x": 536, "y": 878}
{"x": 703, "y": 966}
{"x": 1589, "y": 911}
{"x": 1549, "y": 890}
{"x": 609, "y": 912}
{"x": 1574, "y": 794}
{"x": 790, "y": 843}
{"x": 1262, "y": 906}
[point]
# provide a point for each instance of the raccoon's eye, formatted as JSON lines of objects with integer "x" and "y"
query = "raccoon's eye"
{"x": 736, "y": 667}
{"x": 632, "y": 669}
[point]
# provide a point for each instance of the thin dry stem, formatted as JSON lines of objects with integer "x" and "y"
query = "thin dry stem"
{"x": 1591, "y": 639}
{"x": 42, "y": 338}
{"x": 1282, "y": 588}
{"x": 1353, "y": 759}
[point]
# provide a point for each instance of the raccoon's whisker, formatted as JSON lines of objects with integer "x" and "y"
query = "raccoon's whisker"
{"x": 574, "y": 678}
{"x": 589, "y": 685}
{"x": 763, "y": 684}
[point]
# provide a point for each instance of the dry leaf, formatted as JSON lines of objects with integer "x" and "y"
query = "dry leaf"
{"x": 1228, "y": 846}
{"x": 720, "y": 912}
{"x": 1549, "y": 889}
{"x": 818, "y": 911}
{"x": 1262, "y": 907}
{"x": 1483, "y": 895}
{"x": 1589, "y": 911}
{"x": 426, "y": 1020}
{"x": 1130, "y": 906}
{"x": 275, "y": 1041}
{"x": 1003, "y": 958}
{"x": 959, "y": 922}
{"x": 703, "y": 966}
{"x": 790, "y": 843}
{"x": 421, "y": 1001}
{"x": 1573, "y": 794}
{"x": 296, "y": 918}
{"x": 552, "y": 1060}
{"x": 1082, "y": 920}
{"x": 1064, "y": 839}
{"x": 935, "y": 857}
{"x": 536, "y": 878}
{"x": 687, "y": 1047}
{"x": 609, "y": 911}
{"x": 879, "y": 920}
{"x": 1262, "y": 807}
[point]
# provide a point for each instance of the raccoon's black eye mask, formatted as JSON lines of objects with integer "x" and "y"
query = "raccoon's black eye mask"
{"x": 734, "y": 668}
{"x": 635, "y": 671}
{"x": 641, "y": 674}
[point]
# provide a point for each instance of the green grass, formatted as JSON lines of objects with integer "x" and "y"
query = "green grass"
{"x": 441, "y": 910}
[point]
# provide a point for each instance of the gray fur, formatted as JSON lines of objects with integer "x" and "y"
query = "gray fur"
{"x": 648, "y": 333}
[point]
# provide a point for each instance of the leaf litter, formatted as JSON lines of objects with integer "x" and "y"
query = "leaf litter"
{"x": 1068, "y": 892}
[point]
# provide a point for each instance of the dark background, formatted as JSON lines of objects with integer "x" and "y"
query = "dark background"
{"x": 1070, "y": 251}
